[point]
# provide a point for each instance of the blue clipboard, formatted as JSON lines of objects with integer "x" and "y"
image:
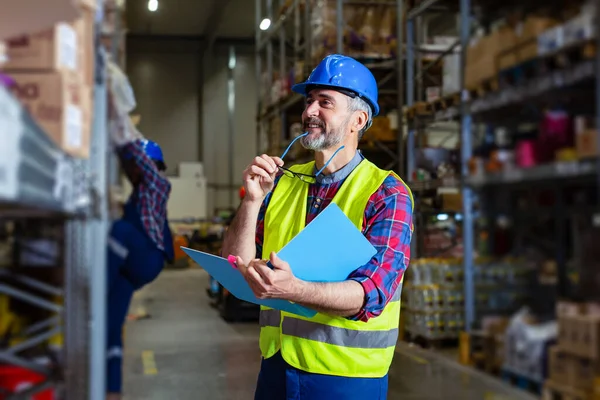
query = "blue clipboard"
{"x": 328, "y": 249}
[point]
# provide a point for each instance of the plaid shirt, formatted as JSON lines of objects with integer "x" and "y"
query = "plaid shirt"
{"x": 151, "y": 195}
{"x": 387, "y": 225}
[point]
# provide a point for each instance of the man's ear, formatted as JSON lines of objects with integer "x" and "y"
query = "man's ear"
{"x": 360, "y": 120}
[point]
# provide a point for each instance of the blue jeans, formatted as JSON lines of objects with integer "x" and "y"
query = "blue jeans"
{"x": 133, "y": 261}
{"x": 278, "y": 380}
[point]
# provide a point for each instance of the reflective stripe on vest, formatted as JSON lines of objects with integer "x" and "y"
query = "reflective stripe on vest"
{"x": 327, "y": 344}
{"x": 270, "y": 317}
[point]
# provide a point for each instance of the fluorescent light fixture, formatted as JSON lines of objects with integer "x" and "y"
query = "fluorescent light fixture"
{"x": 265, "y": 24}
{"x": 442, "y": 217}
{"x": 152, "y": 5}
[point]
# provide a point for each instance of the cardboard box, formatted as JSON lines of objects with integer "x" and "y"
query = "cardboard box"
{"x": 586, "y": 143}
{"x": 451, "y": 201}
{"x": 558, "y": 365}
{"x": 579, "y": 335}
{"x": 51, "y": 49}
{"x": 581, "y": 372}
{"x": 67, "y": 46}
{"x": 483, "y": 57}
{"x": 61, "y": 105}
{"x": 527, "y": 34}
{"x": 84, "y": 26}
{"x": 21, "y": 17}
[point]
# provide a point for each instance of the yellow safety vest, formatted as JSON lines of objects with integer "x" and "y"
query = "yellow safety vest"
{"x": 326, "y": 344}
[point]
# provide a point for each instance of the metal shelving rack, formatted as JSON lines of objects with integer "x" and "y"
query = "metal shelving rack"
{"x": 42, "y": 184}
{"x": 418, "y": 75}
{"x": 294, "y": 22}
{"x": 496, "y": 106}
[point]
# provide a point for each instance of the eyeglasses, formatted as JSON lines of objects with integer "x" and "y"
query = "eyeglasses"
{"x": 304, "y": 177}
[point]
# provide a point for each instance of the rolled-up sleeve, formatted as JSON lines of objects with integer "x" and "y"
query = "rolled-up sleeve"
{"x": 388, "y": 226}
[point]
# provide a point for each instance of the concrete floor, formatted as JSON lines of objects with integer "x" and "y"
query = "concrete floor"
{"x": 185, "y": 351}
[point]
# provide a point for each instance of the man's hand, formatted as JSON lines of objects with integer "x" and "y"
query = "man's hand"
{"x": 259, "y": 177}
{"x": 267, "y": 283}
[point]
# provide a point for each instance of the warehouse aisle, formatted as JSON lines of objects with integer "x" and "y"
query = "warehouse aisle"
{"x": 184, "y": 351}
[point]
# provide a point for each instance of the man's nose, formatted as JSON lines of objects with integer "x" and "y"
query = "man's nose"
{"x": 312, "y": 109}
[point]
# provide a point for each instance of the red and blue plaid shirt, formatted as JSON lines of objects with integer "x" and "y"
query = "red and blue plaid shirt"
{"x": 151, "y": 195}
{"x": 387, "y": 225}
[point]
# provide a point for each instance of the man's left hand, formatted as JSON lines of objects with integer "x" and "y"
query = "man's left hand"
{"x": 267, "y": 283}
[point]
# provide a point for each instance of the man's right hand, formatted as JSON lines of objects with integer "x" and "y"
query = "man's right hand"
{"x": 259, "y": 177}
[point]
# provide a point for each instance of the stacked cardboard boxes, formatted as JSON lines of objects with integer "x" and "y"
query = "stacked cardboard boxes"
{"x": 369, "y": 29}
{"x": 504, "y": 48}
{"x": 53, "y": 71}
{"x": 574, "y": 363}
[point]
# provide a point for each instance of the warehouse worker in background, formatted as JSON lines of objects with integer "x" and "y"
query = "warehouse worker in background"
{"x": 345, "y": 351}
{"x": 139, "y": 242}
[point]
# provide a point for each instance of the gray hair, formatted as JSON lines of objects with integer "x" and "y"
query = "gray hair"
{"x": 358, "y": 104}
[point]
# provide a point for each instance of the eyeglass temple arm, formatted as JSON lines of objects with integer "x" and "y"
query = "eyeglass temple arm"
{"x": 328, "y": 161}
{"x": 292, "y": 143}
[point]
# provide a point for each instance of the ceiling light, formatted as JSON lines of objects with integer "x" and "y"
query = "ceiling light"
{"x": 265, "y": 24}
{"x": 152, "y": 5}
{"x": 442, "y": 217}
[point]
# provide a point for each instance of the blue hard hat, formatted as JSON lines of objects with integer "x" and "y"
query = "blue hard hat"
{"x": 341, "y": 72}
{"x": 153, "y": 150}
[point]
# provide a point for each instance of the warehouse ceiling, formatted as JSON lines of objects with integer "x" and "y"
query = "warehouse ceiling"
{"x": 222, "y": 18}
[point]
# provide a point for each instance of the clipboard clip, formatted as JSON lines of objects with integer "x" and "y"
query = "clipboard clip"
{"x": 232, "y": 261}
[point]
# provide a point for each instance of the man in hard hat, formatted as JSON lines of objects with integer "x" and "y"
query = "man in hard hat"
{"x": 138, "y": 244}
{"x": 345, "y": 351}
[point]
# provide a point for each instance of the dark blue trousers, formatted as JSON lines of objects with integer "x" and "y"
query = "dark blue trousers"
{"x": 133, "y": 261}
{"x": 278, "y": 380}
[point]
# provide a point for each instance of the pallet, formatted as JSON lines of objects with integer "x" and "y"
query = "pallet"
{"x": 556, "y": 391}
{"x": 522, "y": 382}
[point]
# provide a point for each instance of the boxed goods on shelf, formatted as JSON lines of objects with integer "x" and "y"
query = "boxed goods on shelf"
{"x": 574, "y": 362}
{"x": 526, "y": 40}
{"x": 61, "y": 105}
{"x": 487, "y": 343}
{"x": 482, "y": 56}
{"x": 434, "y": 296}
{"x": 21, "y": 17}
{"x": 504, "y": 48}
{"x": 369, "y": 30}
{"x": 586, "y": 137}
{"x": 67, "y": 45}
{"x": 55, "y": 48}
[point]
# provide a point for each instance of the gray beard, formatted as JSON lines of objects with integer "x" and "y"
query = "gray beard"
{"x": 324, "y": 140}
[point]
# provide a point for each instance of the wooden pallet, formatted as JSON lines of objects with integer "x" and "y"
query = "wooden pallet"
{"x": 556, "y": 391}
{"x": 522, "y": 382}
